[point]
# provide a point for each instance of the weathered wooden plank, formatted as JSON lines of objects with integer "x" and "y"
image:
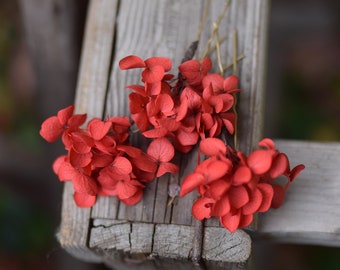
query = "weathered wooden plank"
{"x": 169, "y": 240}
{"x": 105, "y": 207}
{"x": 311, "y": 211}
{"x": 181, "y": 211}
{"x": 153, "y": 24}
{"x": 161, "y": 28}
{"x": 73, "y": 233}
{"x": 148, "y": 28}
{"x": 221, "y": 245}
{"x": 161, "y": 199}
{"x": 90, "y": 97}
{"x": 249, "y": 18}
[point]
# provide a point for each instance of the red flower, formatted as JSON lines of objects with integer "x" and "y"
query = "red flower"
{"x": 162, "y": 151}
{"x": 53, "y": 127}
{"x": 233, "y": 186}
{"x": 154, "y": 67}
{"x": 174, "y": 113}
{"x": 221, "y": 85}
{"x": 85, "y": 187}
{"x": 138, "y": 111}
{"x": 194, "y": 71}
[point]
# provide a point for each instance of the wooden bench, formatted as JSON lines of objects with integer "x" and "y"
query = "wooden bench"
{"x": 151, "y": 235}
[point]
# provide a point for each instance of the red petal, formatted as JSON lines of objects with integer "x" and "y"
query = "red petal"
{"x": 144, "y": 163}
{"x": 222, "y": 207}
{"x": 201, "y": 208}
{"x": 268, "y": 143}
{"x": 182, "y": 110}
{"x": 161, "y": 149}
{"x": 246, "y": 220}
{"x": 206, "y": 65}
{"x": 228, "y": 121}
{"x": 76, "y": 121}
{"x": 207, "y": 120}
{"x": 230, "y": 83}
{"x": 65, "y": 114}
{"x": 159, "y": 61}
{"x": 98, "y": 129}
{"x": 218, "y": 188}
{"x": 57, "y": 163}
{"x": 82, "y": 142}
{"x": 279, "y": 195}
{"x": 80, "y": 160}
{"x": 213, "y": 147}
{"x": 254, "y": 203}
{"x": 137, "y": 103}
{"x": 101, "y": 160}
{"x": 138, "y": 89}
{"x": 242, "y": 175}
{"x": 155, "y": 133}
{"x": 231, "y": 222}
{"x": 154, "y": 88}
{"x": 170, "y": 124}
{"x": 295, "y": 171}
{"x": 134, "y": 199}
{"x": 189, "y": 67}
{"x": 120, "y": 122}
{"x": 182, "y": 148}
{"x": 85, "y": 184}
{"x": 194, "y": 100}
{"x": 51, "y": 129}
{"x": 126, "y": 189}
{"x": 228, "y": 101}
{"x": 207, "y": 92}
{"x": 216, "y": 128}
{"x": 267, "y": 196}
{"x": 165, "y": 103}
{"x": 215, "y": 80}
{"x": 238, "y": 196}
{"x": 84, "y": 200}
{"x": 191, "y": 182}
{"x": 186, "y": 138}
{"x": 66, "y": 172}
{"x": 131, "y": 61}
{"x": 280, "y": 166}
{"x": 260, "y": 161}
{"x": 217, "y": 103}
{"x": 141, "y": 120}
{"x": 130, "y": 150}
{"x": 153, "y": 74}
{"x": 216, "y": 170}
{"x": 166, "y": 167}
{"x": 121, "y": 165}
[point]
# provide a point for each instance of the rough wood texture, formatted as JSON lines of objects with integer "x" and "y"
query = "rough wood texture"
{"x": 90, "y": 98}
{"x": 310, "y": 213}
{"x": 164, "y": 28}
{"x": 168, "y": 240}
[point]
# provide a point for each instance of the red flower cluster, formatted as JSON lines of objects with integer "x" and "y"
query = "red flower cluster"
{"x": 194, "y": 105}
{"x": 174, "y": 113}
{"x": 100, "y": 160}
{"x": 233, "y": 186}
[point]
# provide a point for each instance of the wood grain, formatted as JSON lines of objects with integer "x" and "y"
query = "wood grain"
{"x": 163, "y": 28}
{"x": 311, "y": 211}
{"x": 90, "y": 97}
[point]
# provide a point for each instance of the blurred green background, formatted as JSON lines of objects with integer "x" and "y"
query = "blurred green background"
{"x": 303, "y": 94}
